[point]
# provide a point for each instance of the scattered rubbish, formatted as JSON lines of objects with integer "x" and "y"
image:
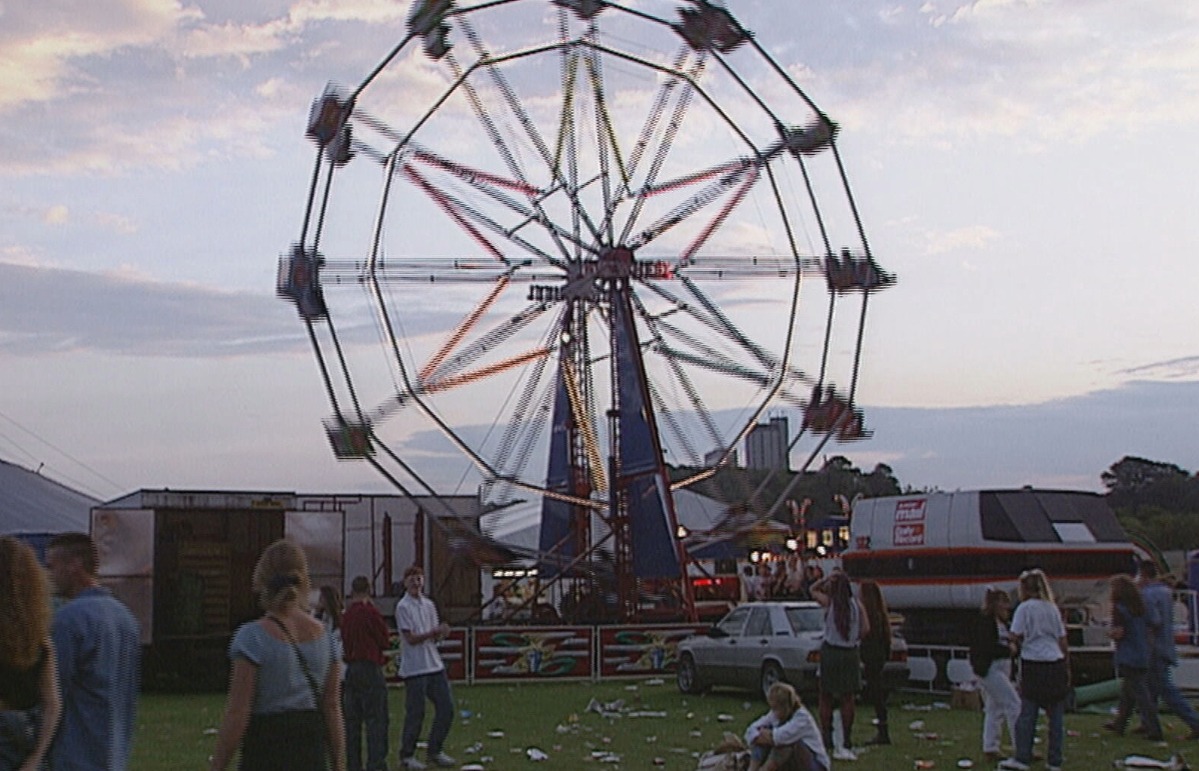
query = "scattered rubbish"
{"x": 696, "y": 733}
{"x": 209, "y": 731}
{"x": 535, "y": 754}
{"x": 916, "y": 725}
{"x": 630, "y": 687}
{"x": 922, "y": 764}
{"x": 496, "y": 734}
{"x": 655, "y": 681}
{"x": 648, "y": 713}
{"x": 724, "y": 718}
{"x": 659, "y": 761}
{"x": 466, "y": 714}
{"x": 474, "y": 748}
{"x": 473, "y": 767}
{"x": 965, "y": 763}
{"x": 609, "y": 709}
{"x": 1175, "y": 763}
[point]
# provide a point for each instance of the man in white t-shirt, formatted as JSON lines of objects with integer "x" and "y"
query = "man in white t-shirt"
{"x": 423, "y": 673}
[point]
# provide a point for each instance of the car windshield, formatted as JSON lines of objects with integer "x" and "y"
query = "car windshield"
{"x": 805, "y": 619}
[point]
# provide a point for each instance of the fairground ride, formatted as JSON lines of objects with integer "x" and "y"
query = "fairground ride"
{"x": 559, "y": 251}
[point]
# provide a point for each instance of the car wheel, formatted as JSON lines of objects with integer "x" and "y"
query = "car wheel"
{"x": 771, "y": 673}
{"x": 688, "y": 676}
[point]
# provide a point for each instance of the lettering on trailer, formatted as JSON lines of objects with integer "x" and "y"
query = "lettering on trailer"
{"x": 909, "y": 523}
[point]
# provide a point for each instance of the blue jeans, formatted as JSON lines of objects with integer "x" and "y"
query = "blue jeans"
{"x": 1162, "y": 687}
{"x": 364, "y": 704}
{"x": 434, "y": 687}
{"x": 1026, "y": 726}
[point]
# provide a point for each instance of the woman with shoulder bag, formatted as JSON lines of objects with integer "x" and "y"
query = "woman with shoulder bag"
{"x": 284, "y": 704}
{"x": 991, "y": 660}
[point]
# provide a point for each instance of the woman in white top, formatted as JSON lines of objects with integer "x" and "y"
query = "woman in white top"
{"x": 1038, "y": 630}
{"x": 786, "y": 738}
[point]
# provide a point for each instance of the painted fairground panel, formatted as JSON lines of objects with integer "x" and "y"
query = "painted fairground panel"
{"x": 542, "y": 653}
{"x": 453, "y": 654}
{"x": 642, "y": 650}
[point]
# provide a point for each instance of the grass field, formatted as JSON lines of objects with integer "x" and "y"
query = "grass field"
{"x": 497, "y": 724}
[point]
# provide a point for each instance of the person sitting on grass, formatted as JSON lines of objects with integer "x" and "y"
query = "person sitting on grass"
{"x": 786, "y": 738}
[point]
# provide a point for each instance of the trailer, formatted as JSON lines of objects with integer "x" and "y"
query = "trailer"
{"x": 183, "y": 561}
{"x": 935, "y": 554}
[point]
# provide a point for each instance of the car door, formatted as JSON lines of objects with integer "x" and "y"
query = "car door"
{"x": 747, "y": 650}
{"x": 721, "y": 653}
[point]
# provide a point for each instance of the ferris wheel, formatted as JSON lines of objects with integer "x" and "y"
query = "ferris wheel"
{"x": 569, "y": 253}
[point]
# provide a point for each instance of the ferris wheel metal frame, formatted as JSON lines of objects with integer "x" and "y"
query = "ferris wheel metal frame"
{"x": 571, "y": 227}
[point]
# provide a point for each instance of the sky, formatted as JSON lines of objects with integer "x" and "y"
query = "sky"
{"x": 1027, "y": 168}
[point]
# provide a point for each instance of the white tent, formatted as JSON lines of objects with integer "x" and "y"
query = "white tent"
{"x": 32, "y": 503}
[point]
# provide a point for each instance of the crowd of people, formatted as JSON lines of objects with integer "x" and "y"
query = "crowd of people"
{"x": 1020, "y": 660}
{"x": 308, "y": 687}
{"x": 307, "y": 684}
{"x": 790, "y": 578}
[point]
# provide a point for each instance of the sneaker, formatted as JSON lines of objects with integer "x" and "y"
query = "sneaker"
{"x": 410, "y": 763}
{"x": 1011, "y": 764}
{"x": 844, "y": 753}
{"x": 442, "y": 760}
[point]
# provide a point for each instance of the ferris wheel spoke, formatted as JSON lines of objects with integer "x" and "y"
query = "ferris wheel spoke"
{"x": 451, "y": 367}
{"x": 460, "y": 332}
{"x": 667, "y": 143}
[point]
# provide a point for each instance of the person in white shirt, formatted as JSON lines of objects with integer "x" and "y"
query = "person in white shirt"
{"x": 786, "y": 738}
{"x": 423, "y": 673}
{"x": 1038, "y": 630}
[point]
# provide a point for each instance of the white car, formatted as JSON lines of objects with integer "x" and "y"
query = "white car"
{"x": 760, "y": 643}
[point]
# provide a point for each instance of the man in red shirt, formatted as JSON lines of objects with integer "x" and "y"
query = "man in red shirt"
{"x": 365, "y": 637}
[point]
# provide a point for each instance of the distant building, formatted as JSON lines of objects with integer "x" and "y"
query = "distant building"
{"x": 712, "y": 457}
{"x": 766, "y": 446}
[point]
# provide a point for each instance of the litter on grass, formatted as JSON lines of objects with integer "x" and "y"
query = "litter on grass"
{"x": 535, "y": 754}
{"x": 1174, "y": 763}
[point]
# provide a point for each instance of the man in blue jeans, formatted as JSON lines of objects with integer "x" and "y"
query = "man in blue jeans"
{"x": 1159, "y": 612}
{"x": 364, "y": 638}
{"x": 423, "y": 672}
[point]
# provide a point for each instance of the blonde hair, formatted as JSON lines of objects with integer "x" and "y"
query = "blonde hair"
{"x": 24, "y": 605}
{"x": 782, "y": 695}
{"x": 1034, "y": 585}
{"x": 281, "y": 576}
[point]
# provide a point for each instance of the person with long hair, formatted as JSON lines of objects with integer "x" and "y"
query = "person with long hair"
{"x": 284, "y": 705}
{"x": 785, "y": 738}
{"x": 1040, "y": 635}
{"x": 329, "y": 608}
{"x": 1130, "y": 629}
{"x": 29, "y": 700}
{"x": 845, "y": 624}
{"x": 875, "y": 651}
{"x": 991, "y": 660}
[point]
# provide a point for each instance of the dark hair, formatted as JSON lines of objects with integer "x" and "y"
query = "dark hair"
{"x": 333, "y": 605}
{"x": 841, "y": 599}
{"x": 360, "y": 585}
{"x": 1125, "y": 592}
{"x": 413, "y": 570}
{"x": 1148, "y": 569}
{"x": 79, "y": 546}
{"x": 876, "y": 608}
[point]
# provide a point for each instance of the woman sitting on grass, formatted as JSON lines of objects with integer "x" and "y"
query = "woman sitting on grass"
{"x": 786, "y": 738}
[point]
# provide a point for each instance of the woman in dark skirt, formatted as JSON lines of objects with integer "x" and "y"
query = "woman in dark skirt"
{"x": 840, "y": 662}
{"x": 284, "y": 705}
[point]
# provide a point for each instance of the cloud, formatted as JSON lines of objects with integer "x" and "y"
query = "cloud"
{"x": 50, "y": 310}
